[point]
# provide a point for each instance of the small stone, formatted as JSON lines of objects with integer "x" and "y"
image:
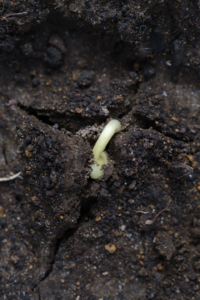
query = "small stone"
{"x": 183, "y": 130}
{"x": 131, "y": 201}
{"x": 28, "y": 154}
{"x": 54, "y": 56}
{"x": 34, "y": 198}
{"x": 110, "y": 248}
{"x": 46, "y": 155}
{"x": 176, "y": 234}
{"x": 78, "y": 110}
{"x": 132, "y": 185}
{"x": 48, "y": 83}
{"x": 195, "y": 164}
{"x": 105, "y": 110}
{"x": 85, "y": 79}
{"x": 105, "y": 273}
{"x": 190, "y": 157}
{"x": 149, "y": 222}
{"x": 122, "y": 228}
{"x": 160, "y": 267}
{"x": 175, "y": 119}
{"x": 56, "y": 41}
{"x": 193, "y": 277}
{"x": 14, "y": 259}
{"x": 30, "y": 148}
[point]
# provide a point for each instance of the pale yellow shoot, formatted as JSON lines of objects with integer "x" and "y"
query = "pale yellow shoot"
{"x": 101, "y": 156}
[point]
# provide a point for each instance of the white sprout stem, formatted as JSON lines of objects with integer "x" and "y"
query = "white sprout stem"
{"x": 111, "y": 128}
{"x": 10, "y": 177}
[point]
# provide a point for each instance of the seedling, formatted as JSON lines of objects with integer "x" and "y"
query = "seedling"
{"x": 101, "y": 156}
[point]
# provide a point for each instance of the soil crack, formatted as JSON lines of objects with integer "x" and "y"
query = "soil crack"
{"x": 148, "y": 124}
{"x": 66, "y": 235}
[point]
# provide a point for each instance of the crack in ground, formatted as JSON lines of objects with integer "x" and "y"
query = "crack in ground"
{"x": 68, "y": 121}
{"x": 41, "y": 115}
{"x": 151, "y": 124}
{"x": 66, "y": 235}
{"x": 85, "y": 211}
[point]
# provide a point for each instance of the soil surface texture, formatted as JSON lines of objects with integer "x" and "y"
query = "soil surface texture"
{"x": 66, "y": 69}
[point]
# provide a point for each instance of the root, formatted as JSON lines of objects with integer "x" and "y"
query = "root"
{"x": 12, "y": 177}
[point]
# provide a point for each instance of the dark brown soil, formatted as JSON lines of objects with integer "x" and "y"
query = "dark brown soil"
{"x": 66, "y": 69}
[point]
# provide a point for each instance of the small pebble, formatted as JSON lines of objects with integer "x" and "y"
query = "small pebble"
{"x": 110, "y": 248}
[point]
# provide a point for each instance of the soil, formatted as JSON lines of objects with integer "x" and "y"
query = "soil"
{"x": 66, "y": 69}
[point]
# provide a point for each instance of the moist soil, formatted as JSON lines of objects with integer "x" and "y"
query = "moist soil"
{"x": 66, "y": 69}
